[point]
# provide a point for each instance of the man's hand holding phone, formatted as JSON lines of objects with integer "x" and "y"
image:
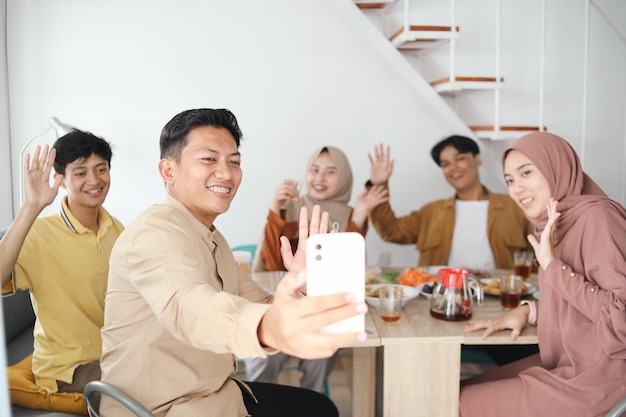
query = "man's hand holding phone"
{"x": 294, "y": 323}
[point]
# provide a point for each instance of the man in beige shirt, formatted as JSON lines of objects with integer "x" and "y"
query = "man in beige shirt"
{"x": 178, "y": 308}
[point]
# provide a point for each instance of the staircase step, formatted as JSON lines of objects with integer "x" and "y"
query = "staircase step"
{"x": 422, "y": 37}
{"x": 445, "y": 86}
{"x": 379, "y": 5}
{"x": 505, "y": 132}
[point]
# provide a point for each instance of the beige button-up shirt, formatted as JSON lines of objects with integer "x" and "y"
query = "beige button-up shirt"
{"x": 177, "y": 311}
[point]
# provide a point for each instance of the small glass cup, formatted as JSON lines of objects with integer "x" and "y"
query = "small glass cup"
{"x": 295, "y": 194}
{"x": 510, "y": 291}
{"x": 390, "y": 303}
{"x": 523, "y": 261}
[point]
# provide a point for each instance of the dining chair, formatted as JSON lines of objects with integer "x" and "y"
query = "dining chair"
{"x": 247, "y": 248}
{"x": 114, "y": 392}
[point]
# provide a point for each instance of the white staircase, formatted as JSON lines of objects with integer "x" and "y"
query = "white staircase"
{"x": 421, "y": 39}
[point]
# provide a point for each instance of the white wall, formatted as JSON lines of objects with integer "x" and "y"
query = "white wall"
{"x": 6, "y": 203}
{"x": 296, "y": 74}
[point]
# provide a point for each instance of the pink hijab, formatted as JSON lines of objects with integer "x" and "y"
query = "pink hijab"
{"x": 574, "y": 190}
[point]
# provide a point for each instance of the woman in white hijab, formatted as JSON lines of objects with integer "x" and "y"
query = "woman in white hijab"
{"x": 329, "y": 185}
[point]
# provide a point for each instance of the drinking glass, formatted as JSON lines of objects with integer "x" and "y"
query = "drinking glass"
{"x": 390, "y": 303}
{"x": 523, "y": 261}
{"x": 510, "y": 291}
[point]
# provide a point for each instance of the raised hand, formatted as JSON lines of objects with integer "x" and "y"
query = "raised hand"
{"x": 366, "y": 201}
{"x": 319, "y": 224}
{"x": 37, "y": 189}
{"x": 369, "y": 199}
{"x": 381, "y": 165}
{"x": 544, "y": 249}
{"x": 287, "y": 190}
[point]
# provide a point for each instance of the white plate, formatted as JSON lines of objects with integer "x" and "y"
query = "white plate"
{"x": 531, "y": 288}
{"x": 408, "y": 292}
{"x": 434, "y": 270}
{"x": 536, "y": 295}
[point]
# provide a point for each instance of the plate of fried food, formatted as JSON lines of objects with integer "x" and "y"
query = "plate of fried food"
{"x": 371, "y": 293}
{"x": 491, "y": 286}
{"x": 413, "y": 277}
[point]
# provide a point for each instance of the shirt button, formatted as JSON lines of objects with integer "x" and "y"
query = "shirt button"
{"x": 564, "y": 267}
{"x": 571, "y": 274}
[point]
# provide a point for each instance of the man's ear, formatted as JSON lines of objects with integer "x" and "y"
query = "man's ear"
{"x": 479, "y": 161}
{"x": 166, "y": 169}
{"x": 56, "y": 175}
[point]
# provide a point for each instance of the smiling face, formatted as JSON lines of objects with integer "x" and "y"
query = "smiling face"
{"x": 322, "y": 179}
{"x": 460, "y": 169}
{"x": 207, "y": 177}
{"x": 87, "y": 181}
{"x": 527, "y": 185}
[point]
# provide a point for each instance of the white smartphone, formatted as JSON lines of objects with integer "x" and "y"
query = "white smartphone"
{"x": 335, "y": 262}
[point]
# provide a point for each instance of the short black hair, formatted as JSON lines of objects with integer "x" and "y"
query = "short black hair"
{"x": 174, "y": 133}
{"x": 79, "y": 144}
{"x": 462, "y": 144}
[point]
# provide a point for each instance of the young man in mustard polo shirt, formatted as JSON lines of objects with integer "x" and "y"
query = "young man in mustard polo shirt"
{"x": 63, "y": 260}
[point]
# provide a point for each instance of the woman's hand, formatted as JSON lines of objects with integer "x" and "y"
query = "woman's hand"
{"x": 515, "y": 320}
{"x": 287, "y": 190}
{"x": 544, "y": 249}
{"x": 366, "y": 201}
{"x": 381, "y": 165}
{"x": 319, "y": 224}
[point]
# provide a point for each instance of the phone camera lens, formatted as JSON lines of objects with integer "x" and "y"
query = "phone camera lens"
{"x": 318, "y": 246}
{"x": 318, "y": 257}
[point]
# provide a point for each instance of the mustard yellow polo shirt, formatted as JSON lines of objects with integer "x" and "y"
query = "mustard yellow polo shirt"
{"x": 65, "y": 266}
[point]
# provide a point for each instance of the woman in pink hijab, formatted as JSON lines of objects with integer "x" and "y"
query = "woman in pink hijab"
{"x": 580, "y": 245}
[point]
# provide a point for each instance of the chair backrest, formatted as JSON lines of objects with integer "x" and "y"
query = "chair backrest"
{"x": 117, "y": 394}
{"x": 248, "y": 248}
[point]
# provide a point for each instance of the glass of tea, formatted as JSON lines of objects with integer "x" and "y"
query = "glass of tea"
{"x": 295, "y": 190}
{"x": 390, "y": 303}
{"x": 523, "y": 261}
{"x": 510, "y": 291}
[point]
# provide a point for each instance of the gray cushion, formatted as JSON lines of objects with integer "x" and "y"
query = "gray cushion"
{"x": 17, "y": 310}
{"x": 27, "y": 412}
{"x": 18, "y": 314}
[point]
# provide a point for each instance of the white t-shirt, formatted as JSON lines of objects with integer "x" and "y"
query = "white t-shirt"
{"x": 470, "y": 243}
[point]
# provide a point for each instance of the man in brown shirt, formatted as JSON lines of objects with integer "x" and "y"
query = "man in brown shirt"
{"x": 178, "y": 308}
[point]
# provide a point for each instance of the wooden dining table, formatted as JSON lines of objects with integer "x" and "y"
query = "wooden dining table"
{"x": 417, "y": 372}
{"x": 421, "y": 359}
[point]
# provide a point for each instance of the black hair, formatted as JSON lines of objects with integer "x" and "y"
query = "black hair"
{"x": 79, "y": 144}
{"x": 174, "y": 133}
{"x": 462, "y": 144}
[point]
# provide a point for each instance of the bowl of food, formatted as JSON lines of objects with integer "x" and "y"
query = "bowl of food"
{"x": 371, "y": 293}
{"x": 372, "y": 275}
{"x": 491, "y": 286}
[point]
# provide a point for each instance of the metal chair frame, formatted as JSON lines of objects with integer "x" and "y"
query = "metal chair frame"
{"x": 117, "y": 394}
{"x": 619, "y": 410}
